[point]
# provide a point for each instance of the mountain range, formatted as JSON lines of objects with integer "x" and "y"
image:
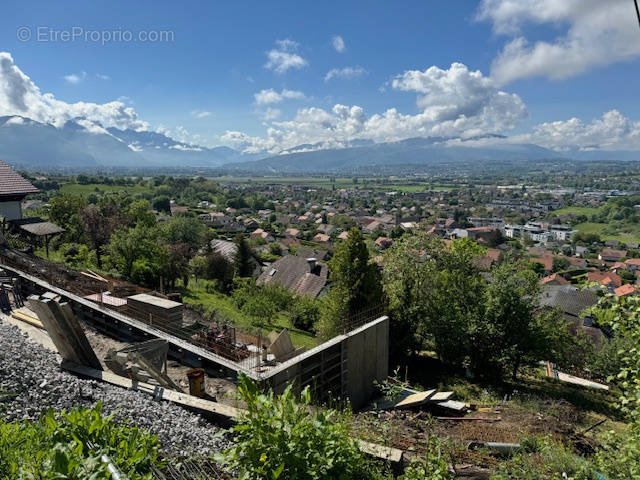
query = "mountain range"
{"x": 81, "y": 144}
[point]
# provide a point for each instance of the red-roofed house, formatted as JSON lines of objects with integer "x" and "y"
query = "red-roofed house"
{"x": 633, "y": 264}
{"x": 625, "y": 290}
{"x": 608, "y": 279}
{"x": 383, "y": 243}
{"x": 554, "y": 279}
{"x": 611, "y": 255}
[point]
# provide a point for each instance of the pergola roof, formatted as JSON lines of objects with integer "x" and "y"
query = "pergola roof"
{"x": 41, "y": 228}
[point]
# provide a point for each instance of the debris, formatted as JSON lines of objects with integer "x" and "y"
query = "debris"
{"x": 145, "y": 362}
{"x": 415, "y": 399}
{"x": 282, "y": 347}
{"x": 553, "y": 372}
{"x": 499, "y": 447}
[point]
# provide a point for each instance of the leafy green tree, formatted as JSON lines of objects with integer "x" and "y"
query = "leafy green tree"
{"x": 131, "y": 244}
{"x": 139, "y": 211}
{"x": 64, "y": 211}
{"x": 98, "y": 228}
{"x": 355, "y": 284}
{"x": 185, "y": 230}
{"x": 161, "y": 203}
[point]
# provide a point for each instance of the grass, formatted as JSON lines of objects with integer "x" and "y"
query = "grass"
{"x": 83, "y": 190}
{"x": 196, "y": 295}
{"x": 575, "y": 211}
{"x": 633, "y": 234}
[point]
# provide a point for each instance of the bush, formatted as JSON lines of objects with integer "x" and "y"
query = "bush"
{"x": 609, "y": 360}
{"x": 57, "y": 447}
{"x": 283, "y": 437}
{"x": 304, "y": 313}
{"x": 433, "y": 467}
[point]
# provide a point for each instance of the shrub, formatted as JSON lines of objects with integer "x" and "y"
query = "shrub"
{"x": 58, "y": 447}
{"x": 304, "y": 313}
{"x": 283, "y": 437}
{"x": 433, "y": 467}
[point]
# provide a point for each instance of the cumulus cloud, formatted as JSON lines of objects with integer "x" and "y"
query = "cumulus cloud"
{"x": 346, "y": 73}
{"x": 75, "y": 78}
{"x": 102, "y": 76}
{"x": 338, "y": 44}
{"x": 285, "y": 57}
{"x": 19, "y": 95}
{"x": 612, "y": 131}
{"x": 453, "y": 102}
{"x": 270, "y": 96}
{"x": 594, "y": 33}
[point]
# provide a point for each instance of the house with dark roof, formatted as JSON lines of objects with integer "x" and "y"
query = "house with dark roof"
{"x": 303, "y": 276}
{"x": 573, "y": 302}
{"x": 13, "y": 189}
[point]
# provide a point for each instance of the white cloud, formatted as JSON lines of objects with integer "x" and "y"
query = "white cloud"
{"x": 271, "y": 114}
{"x": 453, "y": 102}
{"x": 347, "y": 73}
{"x": 75, "y": 78}
{"x": 270, "y": 96}
{"x": 593, "y": 33}
{"x": 200, "y": 113}
{"x": 612, "y": 131}
{"x": 285, "y": 57}
{"x": 20, "y": 96}
{"x": 338, "y": 44}
{"x": 102, "y": 76}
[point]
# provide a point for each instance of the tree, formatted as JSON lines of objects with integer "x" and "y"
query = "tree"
{"x": 63, "y": 211}
{"x": 217, "y": 267}
{"x": 131, "y": 244}
{"x": 162, "y": 204}
{"x": 97, "y": 227}
{"x": 355, "y": 284}
{"x": 244, "y": 257}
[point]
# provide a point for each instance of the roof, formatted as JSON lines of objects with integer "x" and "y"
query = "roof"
{"x": 570, "y": 300}
{"x": 41, "y": 228}
{"x": 609, "y": 252}
{"x": 227, "y": 249}
{"x": 555, "y": 279}
{"x": 294, "y": 274}
{"x": 546, "y": 261}
{"x": 627, "y": 289}
{"x": 633, "y": 261}
{"x": 13, "y": 184}
{"x": 605, "y": 278}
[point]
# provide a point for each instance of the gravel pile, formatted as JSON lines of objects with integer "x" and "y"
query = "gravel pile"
{"x": 31, "y": 381}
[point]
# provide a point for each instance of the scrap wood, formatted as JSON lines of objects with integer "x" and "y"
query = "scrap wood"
{"x": 553, "y": 372}
{"x": 230, "y": 413}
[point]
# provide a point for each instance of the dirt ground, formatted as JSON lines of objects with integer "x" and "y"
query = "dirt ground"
{"x": 220, "y": 389}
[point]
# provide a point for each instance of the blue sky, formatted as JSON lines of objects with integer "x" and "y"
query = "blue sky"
{"x": 546, "y": 61}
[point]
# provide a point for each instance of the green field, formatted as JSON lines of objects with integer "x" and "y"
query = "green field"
{"x": 224, "y": 307}
{"x": 632, "y": 235}
{"x": 575, "y": 211}
{"x": 77, "y": 189}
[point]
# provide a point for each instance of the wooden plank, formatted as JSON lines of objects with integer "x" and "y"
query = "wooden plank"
{"x": 453, "y": 405}
{"x": 380, "y": 451}
{"x": 27, "y": 319}
{"x": 158, "y": 393}
{"x": 415, "y": 399}
{"x": 441, "y": 397}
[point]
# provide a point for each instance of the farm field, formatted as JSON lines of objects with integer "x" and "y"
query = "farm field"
{"x": 78, "y": 189}
{"x": 632, "y": 233}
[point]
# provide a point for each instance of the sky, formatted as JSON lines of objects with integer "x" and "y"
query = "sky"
{"x": 270, "y": 76}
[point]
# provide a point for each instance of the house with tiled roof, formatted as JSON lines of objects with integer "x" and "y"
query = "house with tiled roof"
{"x": 626, "y": 290}
{"x": 607, "y": 279}
{"x": 304, "y": 276}
{"x": 611, "y": 255}
{"x": 554, "y": 279}
{"x": 13, "y": 190}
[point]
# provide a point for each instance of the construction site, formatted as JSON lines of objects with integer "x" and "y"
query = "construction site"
{"x": 120, "y": 314}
